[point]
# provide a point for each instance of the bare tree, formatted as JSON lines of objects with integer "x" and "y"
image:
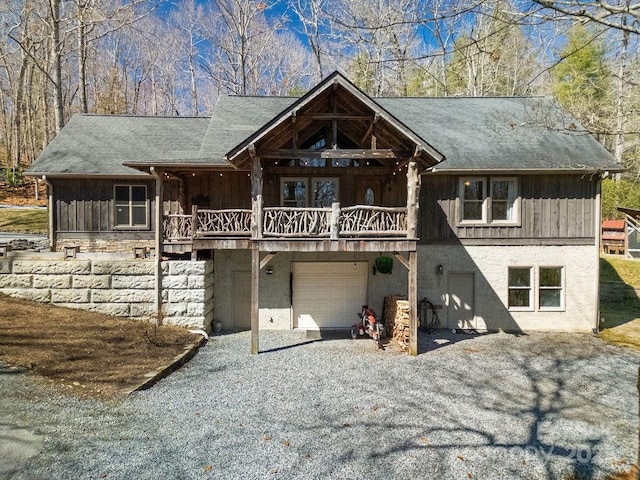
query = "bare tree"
{"x": 619, "y": 15}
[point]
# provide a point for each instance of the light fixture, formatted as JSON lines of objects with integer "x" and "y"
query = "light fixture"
{"x": 439, "y": 269}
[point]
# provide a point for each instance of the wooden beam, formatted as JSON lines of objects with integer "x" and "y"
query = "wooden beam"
{"x": 356, "y": 153}
{"x": 255, "y": 299}
{"x": 402, "y": 260}
{"x": 413, "y": 198}
{"x": 294, "y": 133}
{"x": 256, "y": 197}
{"x": 336, "y": 116}
{"x": 413, "y": 303}
{"x": 158, "y": 244}
{"x": 267, "y": 259}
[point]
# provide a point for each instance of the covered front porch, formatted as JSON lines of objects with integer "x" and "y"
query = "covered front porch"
{"x": 332, "y": 172}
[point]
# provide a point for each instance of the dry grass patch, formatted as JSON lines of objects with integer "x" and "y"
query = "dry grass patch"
{"x": 85, "y": 353}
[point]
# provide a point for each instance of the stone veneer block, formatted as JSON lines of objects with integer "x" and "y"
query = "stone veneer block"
{"x": 52, "y": 267}
{"x": 196, "y": 309}
{"x": 5, "y": 266}
{"x": 74, "y": 296}
{"x": 123, "y": 267}
{"x": 175, "y": 310}
{"x": 200, "y": 281}
{"x": 191, "y": 322}
{"x": 188, "y": 296}
{"x": 122, "y": 296}
{"x": 91, "y": 281}
{"x": 143, "y": 309}
{"x": 175, "y": 281}
{"x": 41, "y": 295}
{"x": 144, "y": 282}
{"x": 201, "y": 267}
{"x": 16, "y": 281}
{"x": 52, "y": 281}
{"x": 114, "y": 309}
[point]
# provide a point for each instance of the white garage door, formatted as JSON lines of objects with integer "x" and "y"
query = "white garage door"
{"x": 328, "y": 295}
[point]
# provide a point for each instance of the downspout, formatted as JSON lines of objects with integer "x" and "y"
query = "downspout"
{"x": 158, "y": 246}
{"x": 50, "y": 229}
{"x": 598, "y": 231}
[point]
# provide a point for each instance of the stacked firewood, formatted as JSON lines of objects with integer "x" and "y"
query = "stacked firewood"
{"x": 396, "y": 318}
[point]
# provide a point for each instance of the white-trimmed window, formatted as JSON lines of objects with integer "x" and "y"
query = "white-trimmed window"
{"x": 550, "y": 288}
{"x": 489, "y": 200}
{"x": 520, "y": 288}
{"x": 503, "y": 196}
{"x": 295, "y": 191}
{"x": 131, "y": 206}
{"x": 473, "y": 194}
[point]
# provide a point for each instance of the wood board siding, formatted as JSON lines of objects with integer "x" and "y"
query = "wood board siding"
{"x": 232, "y": 189}
{"x": 552, "y": 207}
{"x": 87, "y": 205}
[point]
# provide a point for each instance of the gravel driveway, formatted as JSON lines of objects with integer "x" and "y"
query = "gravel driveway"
{"x": 488, "y": 406}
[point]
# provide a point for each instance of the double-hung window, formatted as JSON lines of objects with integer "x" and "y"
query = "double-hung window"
{"x": 489, "y": 200}
{"x": 546, "y": 283}
{"x": 131, "y": 206}
{"x": 520, "y": 282}
{"x": 550, "y": 288}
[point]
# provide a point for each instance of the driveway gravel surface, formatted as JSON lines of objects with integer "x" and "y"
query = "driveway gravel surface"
{"x": 496, "y": 406}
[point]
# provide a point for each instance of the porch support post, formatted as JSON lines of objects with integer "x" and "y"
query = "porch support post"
{"x": 159, "y": 221}
{"x": 256, "y": 194}
{"x": 335, "y": 220}
{"x": 413, "y": 303}
{"x": 255, "y": 298}
{"x": 413, "y": 196}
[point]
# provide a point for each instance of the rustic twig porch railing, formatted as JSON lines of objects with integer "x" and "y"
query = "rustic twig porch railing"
{"x": 177, "y": 227}
{"x": 290, "y": 222}
{"x": 364, "y": 220}
{"x": 230, "y": 222}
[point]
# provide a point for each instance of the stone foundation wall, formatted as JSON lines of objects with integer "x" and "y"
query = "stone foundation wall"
{"x": 119, "y": 287}
{"x": 103, "y": 246}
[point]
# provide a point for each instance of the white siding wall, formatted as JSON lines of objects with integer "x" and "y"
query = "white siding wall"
{"x": 490, "y": 265}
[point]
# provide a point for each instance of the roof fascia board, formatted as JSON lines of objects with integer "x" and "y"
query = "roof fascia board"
{"x": 181, "y": 166}
{"x": 519, "y": 171}
{"x": 50, "y": 175}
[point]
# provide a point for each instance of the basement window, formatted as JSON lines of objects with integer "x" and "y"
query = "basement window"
{"x": 131, "y": 207}
{"x": 550, "y": 289}
{"x": 520, "y": 281}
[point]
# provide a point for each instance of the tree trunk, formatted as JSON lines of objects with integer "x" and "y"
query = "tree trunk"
{"x": 56, "y": 54}
{"x": 620, "y": 88}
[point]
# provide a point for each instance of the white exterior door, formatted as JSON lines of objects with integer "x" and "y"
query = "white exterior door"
{"x": 328, "y": 295}
{"x": 461, "y": 312}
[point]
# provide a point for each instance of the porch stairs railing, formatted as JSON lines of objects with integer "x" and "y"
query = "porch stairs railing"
{"x": 289, "y": 222}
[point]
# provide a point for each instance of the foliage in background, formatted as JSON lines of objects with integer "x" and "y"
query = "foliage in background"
{"x": 619, "y": 194}
{"x": 158, "y": 57}
{"x": 618, "y": 269}
{"x": 23, "y": 220}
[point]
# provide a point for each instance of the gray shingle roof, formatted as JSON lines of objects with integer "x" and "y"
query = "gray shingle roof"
{"x": 101, "y": 144}
{"x": 501, "y": 133}
{"x": 473, "y": 134}
{"x": 236, "y": 118}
